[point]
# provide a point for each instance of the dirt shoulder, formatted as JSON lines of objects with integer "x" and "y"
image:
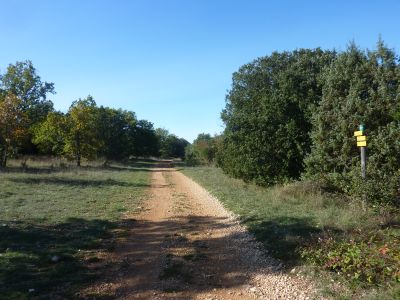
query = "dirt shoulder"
{"x": 185, "y": 245}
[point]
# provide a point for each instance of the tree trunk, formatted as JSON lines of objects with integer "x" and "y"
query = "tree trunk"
{"x": 3, "y": 157}
{"x": 78, "y": 150}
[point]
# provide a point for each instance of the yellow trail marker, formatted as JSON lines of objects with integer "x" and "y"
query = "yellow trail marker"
{"x": 358, "y": 133}
{"x": 362, "y": 144}
{"x": 361, "y": 138}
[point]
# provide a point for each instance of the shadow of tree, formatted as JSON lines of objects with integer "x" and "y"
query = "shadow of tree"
{"x": 64, "y": 260}
{"x": 49, "y": 257}
{"x": 77, "y": 182}
{"x": 284, "y": 236}
{"x": 132, "y": 166}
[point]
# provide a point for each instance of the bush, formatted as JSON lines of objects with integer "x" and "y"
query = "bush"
{"x": 268, "y": 115}
{"x": 203, "y": 150}
{"x": 359, "y": 87}
{"x": 372, "y": 258}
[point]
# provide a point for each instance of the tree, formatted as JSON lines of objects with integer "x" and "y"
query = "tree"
{"x": 145, "y": 140}
{"x": 81, "y": 139}
{"x": 116, "y": 132}
{"x": 21, "y": 80}
{"x": 50, "y": 135}
{"x": 268, "y": 115}
{"x": 12, "y": 125}
{"x": 202, "y": 151}
{"x": 359, "y": 87}
{"x": 170, "y": 145}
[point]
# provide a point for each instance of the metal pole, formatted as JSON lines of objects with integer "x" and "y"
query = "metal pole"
{"x": 363, "y": 161}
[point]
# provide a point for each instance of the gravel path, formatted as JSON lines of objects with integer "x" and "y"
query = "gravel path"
{"x": 185, "y": 245}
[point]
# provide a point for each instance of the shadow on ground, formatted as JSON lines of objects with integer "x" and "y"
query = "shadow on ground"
{"x": 77, "y": 182}
{"x": 132, "y": 166}
{"x": 284, "y": 236}
{"x": 63, "y": 260}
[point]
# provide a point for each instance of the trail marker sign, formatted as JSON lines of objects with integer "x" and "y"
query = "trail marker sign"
{"x": 362, "y": 143}
{"x": 361, "y": 138}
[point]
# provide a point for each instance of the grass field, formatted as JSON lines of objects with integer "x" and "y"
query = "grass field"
{"x": 56, "y": 225}
{"x": 287, "y": 218}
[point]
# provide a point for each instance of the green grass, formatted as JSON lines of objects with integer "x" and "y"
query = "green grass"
{"x": 287, "y": 218}
{"x": 69, "y": 215}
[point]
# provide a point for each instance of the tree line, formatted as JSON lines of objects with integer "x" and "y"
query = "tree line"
{"x": 292, "y": 115}
{"x": 29, "y": 124}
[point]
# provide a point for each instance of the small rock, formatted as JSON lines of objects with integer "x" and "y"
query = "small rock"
{"x": 253, "y": 289}
{"x": 31, "y": 290}
{"x": 293, "y": 270}
{"x": 55, "y": 258}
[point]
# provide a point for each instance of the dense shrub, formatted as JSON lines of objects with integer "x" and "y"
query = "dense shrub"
{"x": 203, "y": 150}
{"x": 268, "y": 115}
{"x": 359, "y": 87}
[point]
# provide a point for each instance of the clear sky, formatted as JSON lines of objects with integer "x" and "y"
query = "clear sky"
{"x": 171, "y": 61}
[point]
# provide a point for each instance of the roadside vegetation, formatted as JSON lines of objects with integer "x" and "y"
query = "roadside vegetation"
{"x": 301, "y": 224}
{"x": 59, "y": 224}
{"x": 289, "y": 122}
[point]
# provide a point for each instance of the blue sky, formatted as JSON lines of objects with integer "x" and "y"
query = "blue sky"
{"x": 171, "y": 61}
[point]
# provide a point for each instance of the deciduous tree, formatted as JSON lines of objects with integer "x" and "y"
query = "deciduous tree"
{"x": 12, "y": 125}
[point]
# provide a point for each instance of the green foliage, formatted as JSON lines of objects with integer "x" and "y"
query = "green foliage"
{"x": 191, "y": 158}
{"x": 116, "y": 130}
{"x": 359, "y": 87}
{"x": 49, "y": 135}
{"x": 12, "y": 125}
{"x": 203, "y": 150}
{"x": 81, "y": 139}
{"x": 22, "y": 81}
{"x": 88, "y": 131}
{"x": 85, "y": 131}
{"x": 372, "y": 258}
{"x": 268, "y": 115}
{"x": 170, "y": 145}
{"x": 146, "y": 140}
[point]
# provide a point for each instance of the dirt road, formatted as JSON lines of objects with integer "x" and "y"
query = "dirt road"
{"x": 185, "y": 245}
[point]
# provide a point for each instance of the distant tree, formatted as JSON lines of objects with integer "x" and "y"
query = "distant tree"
{"x": 116, "y": 132}
{"x": 12, "y": 125}
{"x": 145, "y": 141}
{"x": 162, "y": 135}
{"x": 176, "y": 146}
{"x": 204, "y": 145}
{"x": 81, "y": 139}
{"x": 202, "y": 151}
{"x": 50, "y": 135}
{"x": 170, "y": 145}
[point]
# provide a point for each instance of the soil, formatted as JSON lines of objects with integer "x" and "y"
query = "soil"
{"x": 185, "y": 245}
